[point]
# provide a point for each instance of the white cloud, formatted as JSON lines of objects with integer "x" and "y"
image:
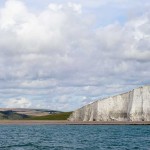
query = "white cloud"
{"x": 60, "y": 60}
{"x": 75, "y": 7}
{"x": 55, "y": 7}
{"x": 15, "y": 14}
{"x": 17, "y": 103}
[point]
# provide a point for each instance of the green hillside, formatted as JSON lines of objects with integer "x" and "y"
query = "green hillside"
{"x": 10, "y": 115}
{"x": 59, "y": 116}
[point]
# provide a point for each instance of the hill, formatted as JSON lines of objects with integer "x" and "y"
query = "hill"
{"x": 58, "y": 116}
{"x": 4, "y": 115}
{"x": 32, "y": 114}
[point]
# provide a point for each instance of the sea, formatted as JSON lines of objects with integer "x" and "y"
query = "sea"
{"x": 74, "y": 137}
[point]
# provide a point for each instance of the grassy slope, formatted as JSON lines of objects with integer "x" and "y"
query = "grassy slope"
{"x": 11, "y": 116}
{"x": 60, "y": 116}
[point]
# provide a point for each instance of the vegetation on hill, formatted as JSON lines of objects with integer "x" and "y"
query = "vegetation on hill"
{"x": 58, "y": 116}
{"x": 10, "y": 115}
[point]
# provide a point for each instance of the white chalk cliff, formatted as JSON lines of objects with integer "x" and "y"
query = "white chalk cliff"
{"x": 131, "y": 106}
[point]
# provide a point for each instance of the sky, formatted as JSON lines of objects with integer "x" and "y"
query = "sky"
{"x": 64, "y": 54}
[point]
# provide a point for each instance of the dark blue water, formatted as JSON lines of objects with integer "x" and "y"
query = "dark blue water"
{"x": 74, "y": 137}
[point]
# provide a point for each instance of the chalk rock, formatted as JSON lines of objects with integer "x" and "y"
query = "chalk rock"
{"x": 131, "y": 106}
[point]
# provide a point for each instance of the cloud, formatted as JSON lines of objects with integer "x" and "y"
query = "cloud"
{"x": 17, "y": 103}
{"x": 55, "y": 7}
{"x": 76, "y": 7}
{"x": 61, "y": 57}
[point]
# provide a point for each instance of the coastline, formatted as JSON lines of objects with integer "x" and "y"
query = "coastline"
{"x": 64, "y": 122}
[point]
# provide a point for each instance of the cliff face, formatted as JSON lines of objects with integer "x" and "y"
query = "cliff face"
{"x": 130, "y": 106}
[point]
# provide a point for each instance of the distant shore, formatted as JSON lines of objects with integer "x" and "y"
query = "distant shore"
{"x": 50, "y": 122}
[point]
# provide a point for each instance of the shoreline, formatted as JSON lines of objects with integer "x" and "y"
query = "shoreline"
{"x": 64, "y": 122}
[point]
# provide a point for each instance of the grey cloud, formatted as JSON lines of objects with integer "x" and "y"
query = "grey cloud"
{"x": 57, "y": 59}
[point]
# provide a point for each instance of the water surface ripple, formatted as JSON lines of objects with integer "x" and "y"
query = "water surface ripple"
{"x": 74, "y": 137}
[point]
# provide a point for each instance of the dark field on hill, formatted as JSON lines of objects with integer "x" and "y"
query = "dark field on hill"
{"x": 13, "y": 115}
{"x": 59, "y": 116}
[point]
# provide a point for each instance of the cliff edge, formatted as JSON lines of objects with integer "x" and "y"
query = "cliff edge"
{"x": 131, "y": 106}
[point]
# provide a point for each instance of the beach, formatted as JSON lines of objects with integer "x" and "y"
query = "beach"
{"x": 44, "y": 122}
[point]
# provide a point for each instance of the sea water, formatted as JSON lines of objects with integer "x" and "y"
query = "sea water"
{"x": 74, "y": 137}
